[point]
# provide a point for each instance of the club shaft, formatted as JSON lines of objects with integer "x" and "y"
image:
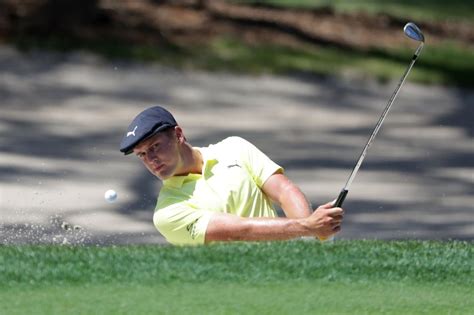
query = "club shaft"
{"x": 345, "y": 190}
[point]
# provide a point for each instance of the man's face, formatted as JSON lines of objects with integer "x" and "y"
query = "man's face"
{"x": 160, "y": 153}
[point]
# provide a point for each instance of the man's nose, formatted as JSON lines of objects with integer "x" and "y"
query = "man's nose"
{"x": 152, "y": 157}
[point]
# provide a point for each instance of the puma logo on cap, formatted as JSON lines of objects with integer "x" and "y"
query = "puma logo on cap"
{"x": 132, "y": 133}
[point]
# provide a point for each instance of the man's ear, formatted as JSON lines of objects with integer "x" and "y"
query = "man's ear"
{"x": 179, "y": 134}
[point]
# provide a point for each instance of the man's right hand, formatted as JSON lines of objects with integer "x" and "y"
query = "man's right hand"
{"x": 325, "y": 221}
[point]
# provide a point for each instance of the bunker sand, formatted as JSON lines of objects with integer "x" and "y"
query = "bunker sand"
{"x": 63, "y": 116}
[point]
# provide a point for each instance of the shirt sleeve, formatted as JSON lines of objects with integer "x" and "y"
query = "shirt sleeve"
{"x": 181, "y": 224}
{"x": 259, "y": 165}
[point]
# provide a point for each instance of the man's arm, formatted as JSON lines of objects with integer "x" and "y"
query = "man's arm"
{"x": 322, "y": 223}
{"x": 288, "y": 196}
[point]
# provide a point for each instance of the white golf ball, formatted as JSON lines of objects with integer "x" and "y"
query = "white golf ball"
{"x": 110, "y": 195}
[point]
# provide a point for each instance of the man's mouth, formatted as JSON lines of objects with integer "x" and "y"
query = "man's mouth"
{"x": 158, "y": 168}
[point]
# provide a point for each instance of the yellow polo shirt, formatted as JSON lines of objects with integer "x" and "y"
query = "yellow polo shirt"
{"x": 233, "y": 174}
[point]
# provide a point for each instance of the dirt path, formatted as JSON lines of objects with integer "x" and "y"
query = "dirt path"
{"x": 187, "y": 22}
{"x": 62, "y": 117}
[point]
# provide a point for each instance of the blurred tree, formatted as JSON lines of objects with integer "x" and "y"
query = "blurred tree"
{"x": 62, "y": 17}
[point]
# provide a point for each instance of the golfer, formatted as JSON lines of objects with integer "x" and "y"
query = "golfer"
{"x": 223, "y": 192}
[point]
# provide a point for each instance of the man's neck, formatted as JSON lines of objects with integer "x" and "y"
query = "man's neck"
{"x": 198, "y": 161}
{"x": 192, "y": 161}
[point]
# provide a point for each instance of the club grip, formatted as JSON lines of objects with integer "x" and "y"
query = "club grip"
{"x": 340, "y": 199}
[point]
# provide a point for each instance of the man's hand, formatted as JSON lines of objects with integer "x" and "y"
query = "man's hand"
{"x": 325, "y": 221}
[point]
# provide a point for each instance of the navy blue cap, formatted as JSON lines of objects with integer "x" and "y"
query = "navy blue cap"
{"x": 149, "y": 122}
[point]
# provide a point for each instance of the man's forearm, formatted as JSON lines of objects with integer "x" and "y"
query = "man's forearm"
{"x": 294, "y": 202}
{"x": 288, "y": 196}
{"x": 224, "y": 227}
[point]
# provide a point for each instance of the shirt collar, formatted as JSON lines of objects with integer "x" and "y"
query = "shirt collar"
{"x": 209, "y": 161}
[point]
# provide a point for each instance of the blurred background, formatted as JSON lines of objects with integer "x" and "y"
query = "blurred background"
{"x": 305, "y": 81}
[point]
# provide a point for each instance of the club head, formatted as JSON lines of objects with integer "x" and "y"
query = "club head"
{"x": 412, "y": 31}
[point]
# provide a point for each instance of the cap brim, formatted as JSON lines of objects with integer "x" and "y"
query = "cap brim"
{"x": 129, "y": 149}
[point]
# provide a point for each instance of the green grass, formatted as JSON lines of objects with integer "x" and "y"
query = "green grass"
{"x": 347, "y": 277}
{"x": 446, "y": 63}
{"x": 426, "y": 10}
{"x": 291, "y": 297}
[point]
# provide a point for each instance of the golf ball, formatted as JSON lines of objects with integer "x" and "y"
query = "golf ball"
{"x": 110, "y": 195}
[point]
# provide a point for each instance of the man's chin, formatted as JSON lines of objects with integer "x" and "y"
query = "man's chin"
{"x": 163, "y": 173}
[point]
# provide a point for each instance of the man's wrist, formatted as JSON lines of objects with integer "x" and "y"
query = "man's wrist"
{"x": 303, "y": 227}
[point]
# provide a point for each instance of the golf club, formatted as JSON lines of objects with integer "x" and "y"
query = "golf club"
{"x": 413, "y": 32}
